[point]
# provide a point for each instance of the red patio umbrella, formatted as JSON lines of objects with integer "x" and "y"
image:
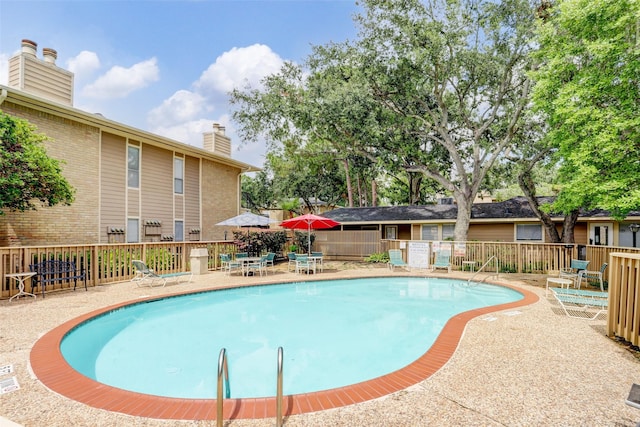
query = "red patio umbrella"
{"x": 309, "y": 222}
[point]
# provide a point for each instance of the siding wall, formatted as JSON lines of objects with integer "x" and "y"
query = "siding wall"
{"x": 113, "y": 183}
{"x": 30, "y": 74}
{"x": 191, "y": 195}
{"x": 492, "y": 232}
{"x": 156, "y": 187}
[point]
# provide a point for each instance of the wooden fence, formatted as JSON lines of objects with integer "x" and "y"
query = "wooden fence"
{"x": 109, "y": 263}
{"x": 624, "y": 297}
{"x": 106, "y": 263}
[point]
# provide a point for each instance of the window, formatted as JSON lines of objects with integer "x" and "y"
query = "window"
{"x": 529, "y": 232}
{"x": 447, "y": 231}
{"x": 179, "y": 231}
{"x": 430, "y": 232}
{"x": 133, "y": 167}
{"x": 133, "y": 230}
{"x": 391, "y": 232}
{"x": 178, "y": 175}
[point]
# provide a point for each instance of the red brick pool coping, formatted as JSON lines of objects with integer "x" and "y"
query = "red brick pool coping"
{"x": 54, "y": 372}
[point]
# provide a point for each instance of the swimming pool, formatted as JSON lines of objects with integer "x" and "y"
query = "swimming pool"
{"x": 169, "y": 347}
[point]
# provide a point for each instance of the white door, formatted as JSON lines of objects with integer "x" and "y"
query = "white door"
{"x": 601, "y": 234}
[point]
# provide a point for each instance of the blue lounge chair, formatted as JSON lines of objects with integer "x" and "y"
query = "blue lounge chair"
{"x": 443, "y": 260}
{"x": 582, "y": 304}
{"x": 395, "y": 259}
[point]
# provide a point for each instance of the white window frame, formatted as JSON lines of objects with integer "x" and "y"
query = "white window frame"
{"x": 178, "y": 230}
{"x": 391, "y": 232}
{"x": 133, "y": 230}
{"x": 433, "y": 227}
{"x": 448, "y": 235}
{"x": 130, "y": 171}
{"x": 530, "y": 237}
{"x": 178, "y": 175}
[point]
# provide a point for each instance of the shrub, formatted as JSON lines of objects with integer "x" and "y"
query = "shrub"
{"x": 379, "y": 257}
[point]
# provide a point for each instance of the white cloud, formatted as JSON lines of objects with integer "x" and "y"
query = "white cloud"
{"x": 189, "y": 132}
{"x": 119, "y": 82}
{"x": 84, "y": 63}
{"x": 185, "y": 116}
{"x": 181, "y": 107}
{"x": 239, "y": 65}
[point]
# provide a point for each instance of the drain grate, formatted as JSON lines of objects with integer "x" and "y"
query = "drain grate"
{"x": 9, "y": 384}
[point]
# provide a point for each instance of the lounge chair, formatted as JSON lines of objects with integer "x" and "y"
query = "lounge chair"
{"x": 582, "y": 304}
{"x": 395, "y": 259}
{"x": 581, "y": 293}
{"x": 443, "y": 260}
{"x": 593, "y": 276}
{"x": 144, "y": 274}
{"x": 574, "y": 270}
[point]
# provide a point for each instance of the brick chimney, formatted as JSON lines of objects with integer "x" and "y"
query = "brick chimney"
{"x": 217, "y": 141}
{"x": 40, "y": 77}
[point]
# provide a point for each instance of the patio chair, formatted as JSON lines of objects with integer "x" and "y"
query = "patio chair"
{"x": 573, "y": 271}
{"x": 228, "y": 265}
{"x": 257, "y": 266}
{"x": 303, "y": 263}
{"x": 270, "y": 261}
{"x": 292, "y": 261}
{"x": 145, "y": 274}
{"x": 319, "y": 259}
{"x": 395, "y": 259}
{"x": 593, "y": 276}
{"x": 443, "y": 260}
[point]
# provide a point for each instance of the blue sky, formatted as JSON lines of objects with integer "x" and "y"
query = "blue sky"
{"x": 166, "y": 66}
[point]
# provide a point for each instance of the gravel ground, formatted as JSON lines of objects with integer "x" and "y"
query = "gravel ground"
{"x": 528, "y": 367}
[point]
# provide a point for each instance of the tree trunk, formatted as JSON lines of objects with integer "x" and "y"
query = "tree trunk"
{"x": 568, "y": 224}
{"x": 415, "y": 183}
{"x": 348, "y": 177}
{"x": 463, "y": 219}
{"x": 374, "y": 193}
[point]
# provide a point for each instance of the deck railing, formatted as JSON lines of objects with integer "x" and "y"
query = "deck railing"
{"x": 107, "y": 263}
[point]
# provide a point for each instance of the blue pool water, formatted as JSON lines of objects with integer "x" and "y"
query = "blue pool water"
{"x": 334, "y": 333}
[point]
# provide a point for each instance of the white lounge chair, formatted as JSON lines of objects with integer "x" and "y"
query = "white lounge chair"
{"x": 582, "y": 304}
{"x": 144, "y": 274}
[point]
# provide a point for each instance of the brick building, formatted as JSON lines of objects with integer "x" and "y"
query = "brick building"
{"x": 131, "y": 185}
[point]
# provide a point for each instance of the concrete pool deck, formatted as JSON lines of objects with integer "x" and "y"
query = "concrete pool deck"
{"x": 526, "y": 366}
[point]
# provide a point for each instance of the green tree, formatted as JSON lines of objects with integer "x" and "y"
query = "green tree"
{"x": 27, "y": 174}
{"x": 453, "y": 76}
{"x": 588, "y": 89}
{"x": 257, "y": 192}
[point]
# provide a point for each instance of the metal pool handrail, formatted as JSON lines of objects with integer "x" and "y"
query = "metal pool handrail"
{"x": 222, "y": 369}
{"x": 483, "y": 266}
{"x": 279, "y": 390}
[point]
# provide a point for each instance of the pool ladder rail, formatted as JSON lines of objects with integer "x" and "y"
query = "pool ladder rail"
{"x": 493, "y": 257}
{"x": 223, "y": 373}
{"x": 223, "y": 370}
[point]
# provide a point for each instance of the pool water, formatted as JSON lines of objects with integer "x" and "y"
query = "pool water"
{"x": 334, "y": 333}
